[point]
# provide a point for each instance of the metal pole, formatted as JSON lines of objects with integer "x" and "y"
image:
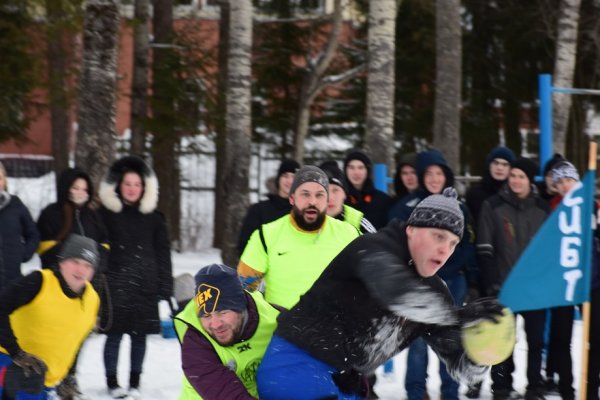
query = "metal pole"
{"x": 545, "y": 91}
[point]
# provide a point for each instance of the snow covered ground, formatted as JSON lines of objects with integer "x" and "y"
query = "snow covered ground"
{"x": 162, "y": 372}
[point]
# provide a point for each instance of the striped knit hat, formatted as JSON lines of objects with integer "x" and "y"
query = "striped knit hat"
{"x": 439, "y": 211}
{"x": 564, "y": 169}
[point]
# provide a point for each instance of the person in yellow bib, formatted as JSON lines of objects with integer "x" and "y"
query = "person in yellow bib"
{"x": 290, "y": 253}
{"x": 44, "y": 319}
{"x": 224, "y": 332}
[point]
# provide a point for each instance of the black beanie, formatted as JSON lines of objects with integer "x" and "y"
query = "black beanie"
{"x": 360, "y": 156}
{"x": 556, "y": 158}
{"x": 526, "y": 165}
{"x": 310, "y": 173}
{"x": 287, "y": 165}
{"x": 501, "y": 152}
{"x": 218, "y": 288}
{"x": 335, "y": 174}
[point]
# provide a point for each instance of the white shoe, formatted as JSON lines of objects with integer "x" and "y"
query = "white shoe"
{"x": 135, "y": 393}
{"x": 119, "y": 393}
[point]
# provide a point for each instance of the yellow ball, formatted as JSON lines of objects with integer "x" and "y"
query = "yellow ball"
{"x": 489, "y": 343}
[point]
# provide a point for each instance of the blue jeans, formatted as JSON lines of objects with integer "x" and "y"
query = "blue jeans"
{"x": 417, "y": 361}
{"x": 5, "y": 361}
{"x": 288, "y": 372}
{"x": 111, "y": 353}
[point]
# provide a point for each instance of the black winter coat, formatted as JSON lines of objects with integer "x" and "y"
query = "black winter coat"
{"x": 374, "y": 203}
{"x": 139, "y": 271}
{"x": 506, "y": 226}
{"x": 370, "y": 303}
{"x": 479, "y": 193}
{"x": 19, "y": 238}
{"x": 261, "y": 213}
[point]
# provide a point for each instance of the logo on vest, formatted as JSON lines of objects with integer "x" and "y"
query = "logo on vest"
{"x": 243, "y": 347}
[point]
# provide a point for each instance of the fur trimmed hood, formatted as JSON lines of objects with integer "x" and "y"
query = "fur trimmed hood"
{"x": 108, "y": 187}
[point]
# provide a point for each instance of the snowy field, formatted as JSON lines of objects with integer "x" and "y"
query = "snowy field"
{"x": 162, "y": 373}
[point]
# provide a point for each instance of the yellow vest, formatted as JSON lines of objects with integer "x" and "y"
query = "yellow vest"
{"x": 53, "y": 326}
{"x": 243, "y": 358}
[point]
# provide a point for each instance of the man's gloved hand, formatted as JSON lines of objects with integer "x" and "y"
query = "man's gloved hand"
{"x": 29, "y": 363}
{"x": 485, "y": 308}
{"x": 350, "y": 382}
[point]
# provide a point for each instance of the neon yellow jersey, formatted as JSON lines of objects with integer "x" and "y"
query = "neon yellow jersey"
{"x": 294, "y": 259}
{"x": 353, "y": 216}
{"x": 242, "y": 358}
{"x": 60, "y": 325}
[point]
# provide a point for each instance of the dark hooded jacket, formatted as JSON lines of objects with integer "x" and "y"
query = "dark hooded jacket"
{"x": 370, "y": 303}
{"x": 506, "y": 226}
{"x": 63, "y": 217}
{"x": 18, "y": 238}
{"x": 374, "y": 203}
{"x": 463, "y": 259}
{"x": 139, "y": 272}
{"x": 261, "y": 213}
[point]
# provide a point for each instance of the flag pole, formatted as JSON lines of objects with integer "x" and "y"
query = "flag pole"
{"x": 585, "y": 343}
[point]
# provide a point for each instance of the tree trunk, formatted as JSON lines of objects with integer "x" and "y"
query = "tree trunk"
{"x": 165, "y": 143}
{"x": 446, "y": 124}
{"x": 57, "y": 56}
{"x": 139, "y": 82}
{"x": 313, "y": 81}
{"x": 564, "y": 68}
{"x": 379, "y": 137}
{"x": 237, "y": 126}
{"x": 219, "y": 216}
{"x": 95, "y": 148}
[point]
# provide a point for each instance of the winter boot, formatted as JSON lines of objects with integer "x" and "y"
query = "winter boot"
{"x": 114, "y": 390}
{"x": 69, "y": 389}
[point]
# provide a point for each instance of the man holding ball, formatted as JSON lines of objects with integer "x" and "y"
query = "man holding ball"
{"x": 379, "y": 294}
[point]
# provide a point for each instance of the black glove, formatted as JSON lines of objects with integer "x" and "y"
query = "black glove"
{"x": 485, "y": 308}
{"x": 350, "y": 382}
{"x": 29, "y": 363}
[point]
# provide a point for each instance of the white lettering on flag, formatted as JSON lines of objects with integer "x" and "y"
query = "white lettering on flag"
{"x": 570, "y": 246}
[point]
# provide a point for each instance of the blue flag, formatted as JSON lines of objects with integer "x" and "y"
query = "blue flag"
{"x": 555, "y": 268}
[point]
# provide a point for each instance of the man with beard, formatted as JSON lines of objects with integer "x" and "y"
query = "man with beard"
{"x": 224, "y": 332}
{"x": 290, "y": 253}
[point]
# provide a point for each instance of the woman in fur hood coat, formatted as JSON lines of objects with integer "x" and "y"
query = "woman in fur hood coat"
{"x": 139, "y": 265}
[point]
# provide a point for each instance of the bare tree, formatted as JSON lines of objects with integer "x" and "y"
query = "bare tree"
{"x": 315, "y": 81}
{"x": 379, "y": 139}
{"x": 97, "y": 91}
{"x": 165, "y": 140}
{"x": 446, "y": 124}
{"x": 564, "y": 67}
{"x": 57, "y": 55}
{"x": 237, "y": 126}
{"x": 139, "y": 82}
{"x": 219, "y": 215}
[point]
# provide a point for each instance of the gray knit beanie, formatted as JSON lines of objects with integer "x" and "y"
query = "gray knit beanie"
{"x": 77, "y": 246}
{"x": 564, "y": 169}
{"x": 310, "y": 173}
{"x": 439, "y": 211}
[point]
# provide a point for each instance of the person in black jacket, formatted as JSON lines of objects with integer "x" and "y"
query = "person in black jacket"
{"x": 71, "y": 213}
{"x": 275, "y": 206}
{"x": 507, "y": 223}
{"x": 139, "y": 266}
{"x": 362, "y": 194}
{"x": 378, "y": 295}
{"x": 18, "y": 235}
